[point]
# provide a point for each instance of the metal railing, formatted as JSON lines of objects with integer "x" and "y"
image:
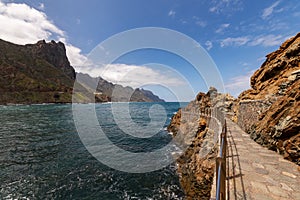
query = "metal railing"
{"x": 221, "y": 166}
{"x": 217, "y": 123}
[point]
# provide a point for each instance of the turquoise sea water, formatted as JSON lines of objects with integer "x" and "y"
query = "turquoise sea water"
{"x": 42, "y": 156}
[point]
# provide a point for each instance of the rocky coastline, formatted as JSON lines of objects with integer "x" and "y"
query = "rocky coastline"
{"x": 196, "y": 166}
{"x": 269, "y": 112}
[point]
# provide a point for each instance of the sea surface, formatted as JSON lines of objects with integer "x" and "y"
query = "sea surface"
{"x": 42, "y": 156}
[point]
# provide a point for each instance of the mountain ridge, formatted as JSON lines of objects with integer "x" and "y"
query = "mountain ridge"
{"x": 116, "y": 92}
{"x": 42, "y": 73}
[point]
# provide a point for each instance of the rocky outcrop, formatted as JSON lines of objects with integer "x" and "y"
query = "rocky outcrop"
{"x": 37, "y": 73}
{"x": 270, "y": 110}
{"x": 196, "y": 165}
{"x": 54, "y": 53}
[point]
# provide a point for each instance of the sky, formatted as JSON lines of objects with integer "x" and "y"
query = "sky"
{"x": 235, "y": 34}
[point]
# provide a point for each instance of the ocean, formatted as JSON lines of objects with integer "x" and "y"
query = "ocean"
{"x": 42, "y": 155}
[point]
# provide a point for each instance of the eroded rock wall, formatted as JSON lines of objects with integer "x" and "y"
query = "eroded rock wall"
{"x": 270, "y": 110}
{"x": 190, "y": 130}
{"x": 196, "y": 166}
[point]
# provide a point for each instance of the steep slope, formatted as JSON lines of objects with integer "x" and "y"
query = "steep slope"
{"x": 35, "y": 73}
{"x": 273, "y": 103}
{"x": 114, "y": 92}
{"x": 41, "y": 73}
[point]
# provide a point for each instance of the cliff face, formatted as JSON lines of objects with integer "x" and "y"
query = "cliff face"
{"x": 55, "y": 54}
{"x": 36, "y": 73}
{"x": 41, "y": 73}
{"x": 195, "y": 172}
{"x": 273, "y": 102}
{"x": 196, "y": 166}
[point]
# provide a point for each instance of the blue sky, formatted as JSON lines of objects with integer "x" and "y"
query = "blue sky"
{"x": 237, "y": 34}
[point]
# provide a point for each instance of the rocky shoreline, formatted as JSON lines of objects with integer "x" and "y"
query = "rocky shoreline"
{"x": 269, "y": 112}
{"x": 196, "y": 166}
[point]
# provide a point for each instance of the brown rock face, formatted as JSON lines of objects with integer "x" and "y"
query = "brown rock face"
{"x": 276, "y": 86}
{"x": 196, "y": 165}
{"x": 35, "y": 73}
{"x": 54, "y": 53}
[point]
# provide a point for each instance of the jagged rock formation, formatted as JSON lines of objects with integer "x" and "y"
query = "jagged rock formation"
{"x": 196, "y": 173}
{"x": 35, "y": 73}
{"x": 196, "y": 165}
{"x": 107, "y": 91}
{"x": 270, "y": 111}
{"x": 41, "y": 73}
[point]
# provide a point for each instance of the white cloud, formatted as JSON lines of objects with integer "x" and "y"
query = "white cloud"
{"x": 41, "y": 6}
{"x": 172, "y": 13}
{"x": 237, "y": 84}
{"x": 213, "y": 9}
{"x": 262, "y": 40}
{"x": 238, "y": 41}
{"x": 208, "y": 45}
{"x": 33, "y": 23}
{"x": 134, "y": 75}
{"x": 183, "y": 21}
{"x": 75, "y": 56}
{"x": 225, "y": 6}
{"x": 201, "y": 23}
{"x": 269, "y": 10}
{"x": 268, "y": 40}
{"x": 24, "y": 24}
{"x": 222, "y": 28}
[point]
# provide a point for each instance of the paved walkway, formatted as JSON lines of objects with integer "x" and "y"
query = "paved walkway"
{"x": 254, "y": 172}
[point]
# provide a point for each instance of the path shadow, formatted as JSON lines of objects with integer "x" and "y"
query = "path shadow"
{"x": 234, "y": 170}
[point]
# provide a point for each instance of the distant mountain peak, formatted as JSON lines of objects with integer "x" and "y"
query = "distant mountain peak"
{"x": 41, "y": 73}
{"x": 116, "y": 92}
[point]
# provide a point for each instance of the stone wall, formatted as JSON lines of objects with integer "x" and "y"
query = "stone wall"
{"x": 249, "y": 112}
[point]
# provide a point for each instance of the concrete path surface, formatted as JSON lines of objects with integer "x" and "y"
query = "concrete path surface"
{"x": 254, "y": 172}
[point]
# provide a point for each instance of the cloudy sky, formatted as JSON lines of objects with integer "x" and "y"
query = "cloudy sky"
{"x": 237, "y": 34}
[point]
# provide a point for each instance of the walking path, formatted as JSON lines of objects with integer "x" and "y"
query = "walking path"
{"x": 254, "y": 172}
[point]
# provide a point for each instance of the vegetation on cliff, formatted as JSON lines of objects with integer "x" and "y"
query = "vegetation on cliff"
{"x": 35, "y": 73}
{"x": 41, "y": 73}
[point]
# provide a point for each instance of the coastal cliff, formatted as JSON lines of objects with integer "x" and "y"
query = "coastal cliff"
{"x": 196, "y": 173}
{"x": 270, "y": 110}
{"x": 41, "y": 73}
{"x": 191, "y": 128}
{"x": 35, "y": 73}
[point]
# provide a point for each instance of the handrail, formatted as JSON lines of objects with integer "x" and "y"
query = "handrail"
{"x": 220, "y": 128}
{"x": 221, "y": 166}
